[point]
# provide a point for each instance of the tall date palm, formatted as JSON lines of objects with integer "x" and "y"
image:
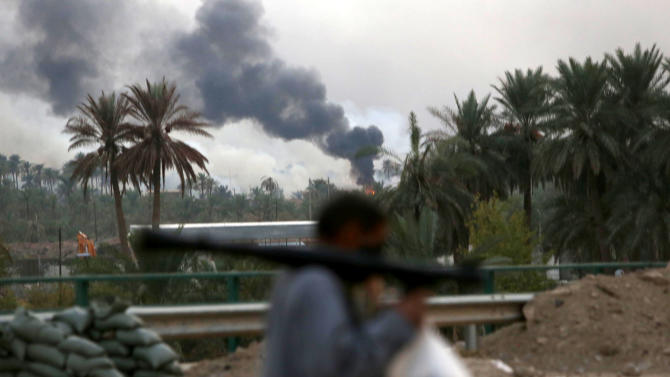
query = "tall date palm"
{"x": 102, "y": 123}
{"x": 583, "y": 156}
{"x": 525, "y": 97}
{"x": 158, "y": 108}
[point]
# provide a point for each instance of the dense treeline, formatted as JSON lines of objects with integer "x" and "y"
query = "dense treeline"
{"x": 595, "y": 136}
{"x": 36, "y": 201}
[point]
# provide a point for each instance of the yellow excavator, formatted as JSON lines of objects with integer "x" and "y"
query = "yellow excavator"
{"x": 86, "y": 248}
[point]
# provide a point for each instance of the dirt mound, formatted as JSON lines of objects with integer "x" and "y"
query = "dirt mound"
{"x": 597, "y": 324}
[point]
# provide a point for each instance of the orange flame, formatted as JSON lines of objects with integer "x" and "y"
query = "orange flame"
{"x": 370, "y": 191}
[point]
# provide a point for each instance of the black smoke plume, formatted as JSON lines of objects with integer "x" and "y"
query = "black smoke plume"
{"x": 60, "y": 58}
{"x": 239, "y": 77}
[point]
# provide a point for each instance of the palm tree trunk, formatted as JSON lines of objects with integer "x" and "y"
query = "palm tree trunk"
{"x": 527, "y": 199}
{"x": 528, "y": 185}
{"x": 120, "y": 218}
{"x": 156, "y": 215}
{"x": 600, "y": 232}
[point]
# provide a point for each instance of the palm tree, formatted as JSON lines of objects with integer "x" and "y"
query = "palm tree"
{"x": 270, "y": 186}
{"x": 640, "y": 220}
{"x": 158, "y": 108}
{"x": 641, "y": 215}
{"x": 201, "y": 184}
{"x": 37, "y": 173}
{"x": 51, "y": 176}
{"x": 525, "y": 98}
{"x": 26, "y": 168}
{"x": 583, "y": 156}
{"x": 414, "y": 190}
{"x": 468, "y": 128}
{"x": 14, "y": 161}
{"x": 638, "y": 82}
{"x": 432, "y": 179}
{"x": 4, "y": 168}
{"x": 102, "y": 123}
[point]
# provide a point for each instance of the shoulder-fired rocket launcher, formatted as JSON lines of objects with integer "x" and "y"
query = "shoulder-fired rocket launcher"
{"x": 349, "y": 266}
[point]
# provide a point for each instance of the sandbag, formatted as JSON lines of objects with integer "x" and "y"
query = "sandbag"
{"x": 82, "y": 366}
{"x": 124, "y": 363}
{"x": 81, "y": 346}
{"x": 138, "y": 337}
{"x": 114, "y": 347}
{"x": 94, "y": 335}
{"x": 103, "y": 310}
{"x": 427, "y": 355}
{"x": 46, "y": 354}
{"x": 76, "y": 364}
{"x": 25, "y": 325}
{"x": 78, "y": 318}
{"x": 102, "y": 362}
{"x": 6, "y": 335}
{"x": 44, "y": 370}
{"x": 10, "y": 364}
{"x": 63, "y": 327}
{"x": 156, "y": 355}
{"x": 18, "y": 348}
{"x": 105, "y": 373}
{"x": 123, "y": 321}
{"x": 49, "y": 334}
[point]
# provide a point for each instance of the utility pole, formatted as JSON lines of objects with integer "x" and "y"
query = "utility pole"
{"x": 60, "y": 252}
{"x": 309, "y": 188}
{"x": 60, "y": 265}
{"x": 95, "y": 220}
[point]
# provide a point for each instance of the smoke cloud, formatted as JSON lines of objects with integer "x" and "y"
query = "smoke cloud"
{"x": 234, "y": 74}
{"x": 59, "y": 58}
{"x": 349, "y": 143}
{"x": 239, "y": 77}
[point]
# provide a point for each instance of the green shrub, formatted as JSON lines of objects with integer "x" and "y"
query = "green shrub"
{"x": 47, "y": 296}
{"x": 499, "y": 235}
{"x": 110, "y": 261}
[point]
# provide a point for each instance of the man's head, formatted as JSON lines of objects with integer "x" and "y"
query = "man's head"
{"x": 353, "y": 222}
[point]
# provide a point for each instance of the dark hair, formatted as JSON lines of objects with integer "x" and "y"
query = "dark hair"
{"x": 345, "y": 209}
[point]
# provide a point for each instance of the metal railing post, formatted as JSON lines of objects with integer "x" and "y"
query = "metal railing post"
{"x": 489, "y": 288}
{"x": 81, "y": 293}
{"x": 232, "y": 296}
{"x": 471, "y": 337}
{"x": 489, "y": 282}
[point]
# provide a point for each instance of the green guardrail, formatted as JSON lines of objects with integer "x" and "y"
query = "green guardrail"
{"x": 82, "y": 282}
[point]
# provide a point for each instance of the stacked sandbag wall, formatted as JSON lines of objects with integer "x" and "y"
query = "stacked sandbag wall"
{"x": 136, "y": 350}
{"x": 103, "y": 341}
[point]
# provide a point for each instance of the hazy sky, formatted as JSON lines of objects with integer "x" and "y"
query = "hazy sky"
{"x": 376, "y": 60}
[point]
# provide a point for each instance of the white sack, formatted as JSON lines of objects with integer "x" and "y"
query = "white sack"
{"x": 428, "y": 355}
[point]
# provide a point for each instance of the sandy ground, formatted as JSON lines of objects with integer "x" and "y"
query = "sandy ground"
{"x": 247, "y": 362}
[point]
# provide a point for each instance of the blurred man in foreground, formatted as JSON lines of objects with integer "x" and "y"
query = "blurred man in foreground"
{"x": 313, "y": 329}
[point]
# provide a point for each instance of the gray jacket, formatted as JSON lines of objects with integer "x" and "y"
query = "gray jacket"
{"x": 313, "y": 333}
